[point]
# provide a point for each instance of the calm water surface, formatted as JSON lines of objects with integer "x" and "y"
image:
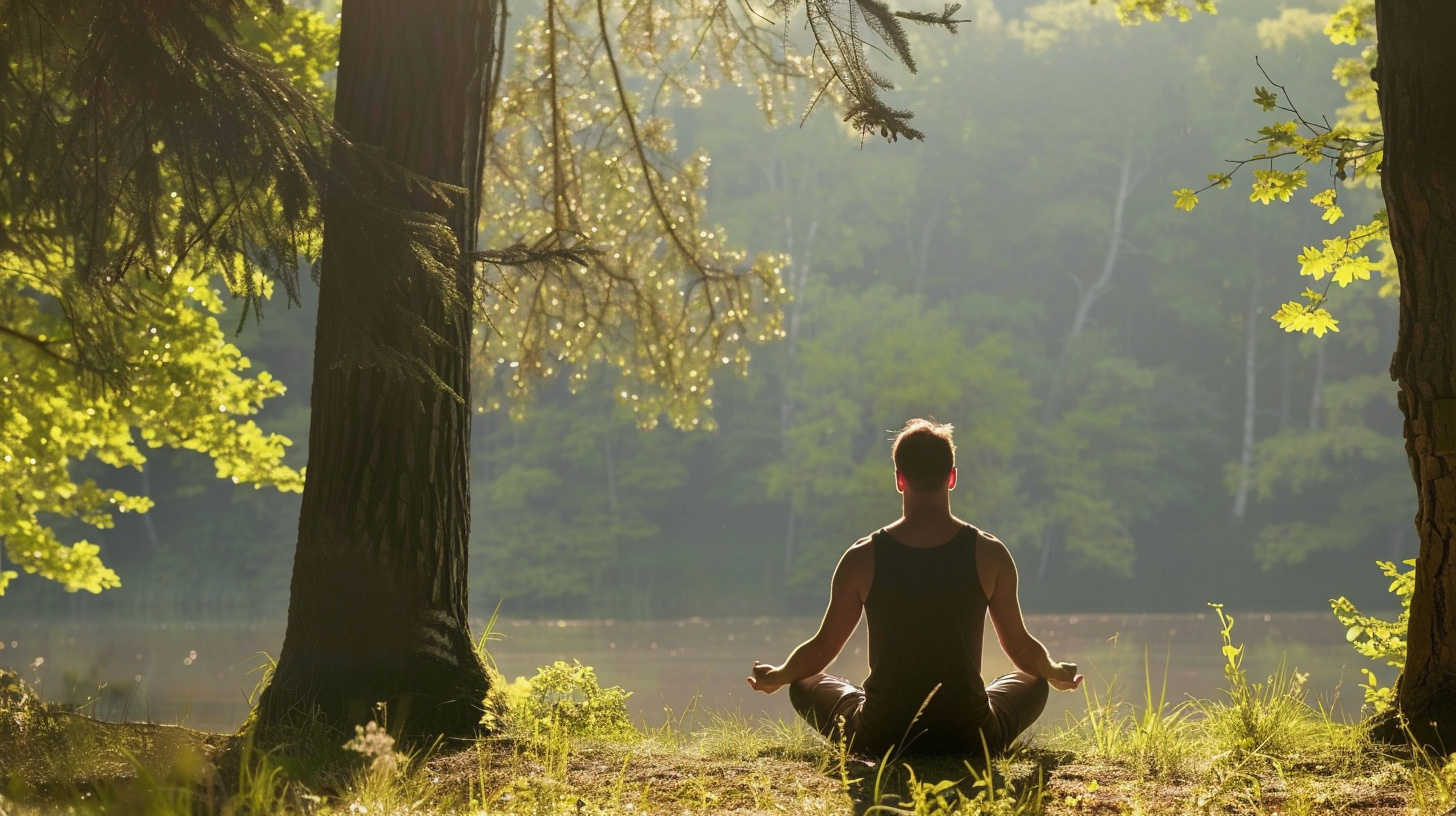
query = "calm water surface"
{"x": 201, "y": 675}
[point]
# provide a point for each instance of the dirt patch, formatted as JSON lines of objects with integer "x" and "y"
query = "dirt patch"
{"x": 1088, "y": 788}
{"x": 642, "y": 777}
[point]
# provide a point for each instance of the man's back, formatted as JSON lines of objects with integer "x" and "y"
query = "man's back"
{"x": 926, "y": 611}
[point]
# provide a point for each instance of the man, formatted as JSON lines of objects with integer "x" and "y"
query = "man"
{"x": 925, "y": 584}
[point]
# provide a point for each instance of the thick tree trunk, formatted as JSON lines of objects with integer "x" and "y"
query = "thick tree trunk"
{"x": 1417, "y": 75}
{"x": 377, "y": 612}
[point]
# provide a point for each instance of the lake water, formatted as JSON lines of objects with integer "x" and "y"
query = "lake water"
{"x": 201, "y": 675}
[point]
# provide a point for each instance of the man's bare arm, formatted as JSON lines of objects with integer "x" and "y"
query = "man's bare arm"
{"x": 1026, "y": 652}
{"x": 846, "y": 603}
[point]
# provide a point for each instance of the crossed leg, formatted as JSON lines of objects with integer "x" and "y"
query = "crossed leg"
{"x": 825, "y": 702}
{"x": 1016, "y": 700}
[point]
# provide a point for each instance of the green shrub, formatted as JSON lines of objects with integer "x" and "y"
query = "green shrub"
{"x": 566, "y": 699}
{"x": 1377, "y": 638}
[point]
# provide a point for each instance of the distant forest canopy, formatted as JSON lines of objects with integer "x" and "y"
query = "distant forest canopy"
{"x": 1129, "y": 418}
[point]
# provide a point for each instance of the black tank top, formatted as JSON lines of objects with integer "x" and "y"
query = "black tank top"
{"x": 926, "y": 612}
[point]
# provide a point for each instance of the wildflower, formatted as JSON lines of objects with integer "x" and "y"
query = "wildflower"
{"x": 376, "y": 744}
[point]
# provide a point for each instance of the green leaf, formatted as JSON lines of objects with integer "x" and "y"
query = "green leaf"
{"x": 1297, "y": 317}
{"x": 1271, "y": 184}
{"x": 1316, "y": 263}
{"x": 1352, "y": 269}
{"x": 1279, "y": 134}
{"x": 183, "y": 371}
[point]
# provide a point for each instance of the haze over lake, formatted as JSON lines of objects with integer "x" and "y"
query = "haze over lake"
{"x": 200, "y": 675}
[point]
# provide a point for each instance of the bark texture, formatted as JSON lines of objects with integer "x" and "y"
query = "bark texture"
{"x": 377, "y": 612}
{"x": 1417, "y": 79}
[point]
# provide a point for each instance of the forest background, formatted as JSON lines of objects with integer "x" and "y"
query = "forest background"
{"x": 1129, "y": 419}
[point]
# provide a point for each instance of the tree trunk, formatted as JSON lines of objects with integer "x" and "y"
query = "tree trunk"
{"x": 1127, "y": 181}
{"x": 377, "y": 612}
{"x": 1286, "y": 386}
{"x": 1417, "y": 71}
{"x": 611, "y": 473}
{"x": 1317, "y": 393}
{"x": 798, "y": 281}
{"x": 921, "y": 259}
{"x": 1251, "y": 395}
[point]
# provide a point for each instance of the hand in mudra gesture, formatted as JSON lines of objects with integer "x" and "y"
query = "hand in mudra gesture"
{"x": 1064, "y": 677}
{"x": 762, "y": 678}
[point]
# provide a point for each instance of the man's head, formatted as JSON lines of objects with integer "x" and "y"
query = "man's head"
{"x": 924, "y": 455}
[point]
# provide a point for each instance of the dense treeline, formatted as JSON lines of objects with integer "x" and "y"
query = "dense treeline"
{"x": 1129, "y": 419}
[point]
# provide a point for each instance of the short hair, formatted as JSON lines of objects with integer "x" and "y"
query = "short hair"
{"x": 924, "y": 453}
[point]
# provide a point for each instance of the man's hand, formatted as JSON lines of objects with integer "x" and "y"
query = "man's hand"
{"x": 764, "y": 678}
{"x": 1064, "y": 677}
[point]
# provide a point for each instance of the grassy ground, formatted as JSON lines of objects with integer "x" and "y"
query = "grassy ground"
{"x": 565, "y": 747}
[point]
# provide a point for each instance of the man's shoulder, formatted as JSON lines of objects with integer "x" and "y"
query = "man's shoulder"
{"x": 863, "y": 547}
{"x": 990, "y": 550}
{"x": 981, "y": 536}
{"x": 984, "y": 537}
{"x": 861, "y": 554}
{"x": 857, "y": 566}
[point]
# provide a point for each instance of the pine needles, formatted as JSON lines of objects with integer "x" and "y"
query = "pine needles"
{"x": 837, "y": 29}
{"x": 140, "y": 136}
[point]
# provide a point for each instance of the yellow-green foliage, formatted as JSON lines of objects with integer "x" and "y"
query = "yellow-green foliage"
{"x": 188, "y": 388}
{"x": 1134, "y": 12}
{"x": 1377, "y": 638}
{"x": 1352, "y": 146}
{"x": 976, "y": 791}
{"x": 583, "y": 159}
{"x": 1433, "y": 783}
{"x": 104, "y": 364}
{"x": 565, "y": 699}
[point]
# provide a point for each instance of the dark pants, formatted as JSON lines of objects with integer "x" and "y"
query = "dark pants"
{"x": 825, "y": 701}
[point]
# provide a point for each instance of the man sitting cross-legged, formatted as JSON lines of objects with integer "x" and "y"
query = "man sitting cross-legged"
{"x": 925, "y": 584}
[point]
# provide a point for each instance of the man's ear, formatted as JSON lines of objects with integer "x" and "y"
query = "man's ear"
{"x": 899, "y": 481}
{"x": 951, "y": 485}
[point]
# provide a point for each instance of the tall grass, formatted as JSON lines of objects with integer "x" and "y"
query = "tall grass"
{"x": 1259, "y": 738}
{"x": 1154, "y": 740}
{"x": 1271, "y": 719}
